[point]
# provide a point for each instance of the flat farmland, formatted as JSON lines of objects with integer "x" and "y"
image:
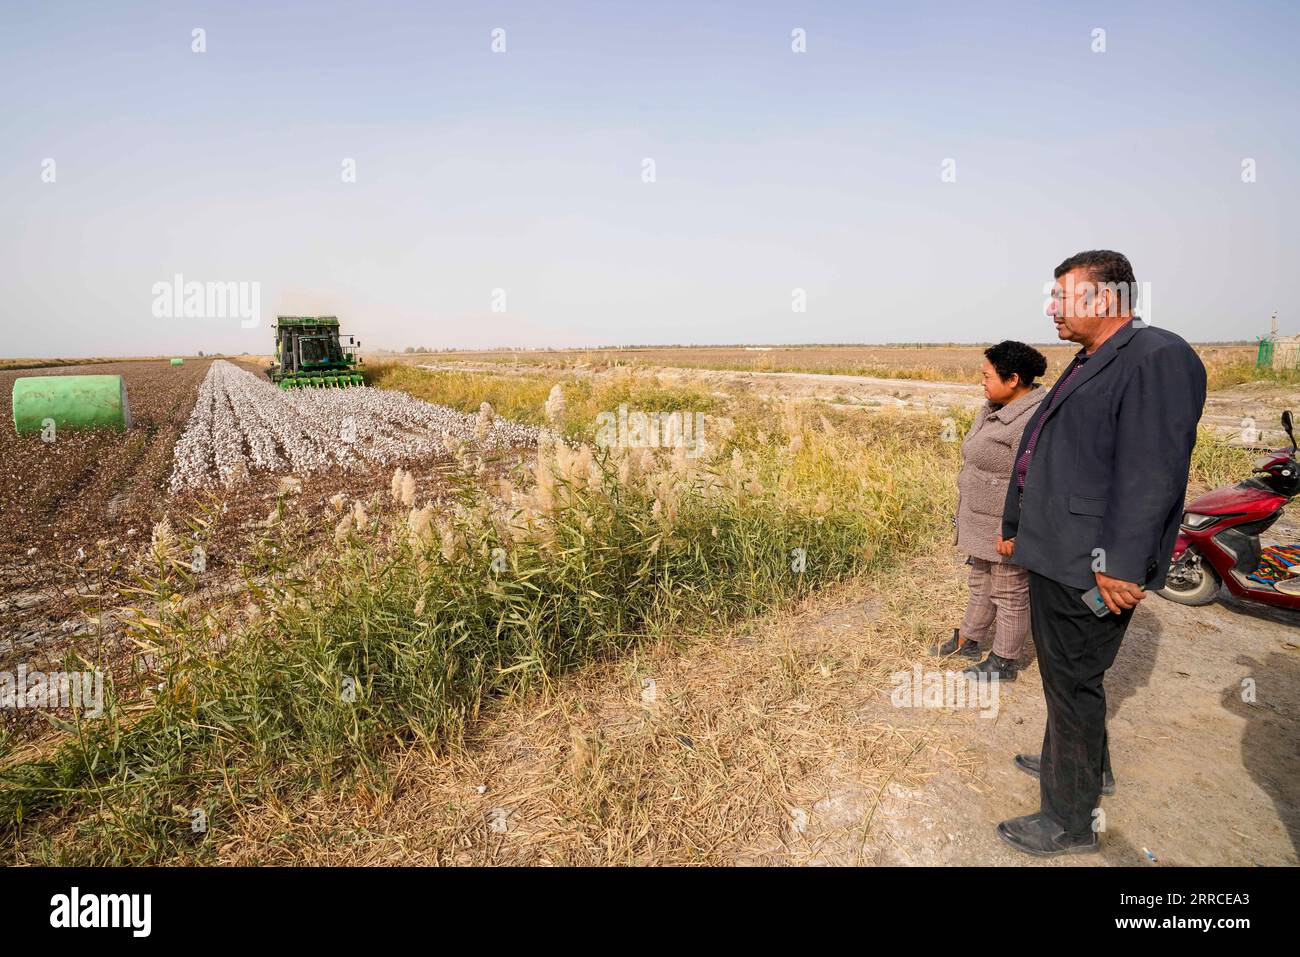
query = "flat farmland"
{"x": 55, "y": 495}
{"x": 500, "y": 559}
{"x": 937, "y": 363}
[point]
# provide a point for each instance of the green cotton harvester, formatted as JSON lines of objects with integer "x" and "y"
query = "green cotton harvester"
{"x": 309, "y": 354}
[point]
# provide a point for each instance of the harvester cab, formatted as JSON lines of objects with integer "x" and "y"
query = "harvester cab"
{"x": 310, "y": 353}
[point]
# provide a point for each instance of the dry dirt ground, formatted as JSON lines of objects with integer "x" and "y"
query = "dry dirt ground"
{"x": 78, "y": 513}
{"x": 74, "y": 510}
{"x": 1252, "y": 405}
{"x": 937, "y": 362}
{"x": 1230, "y": 412}
{"x": 1204, "y": 776}
{"x": 779, "y": 744}
{"x": 866, "y": 392}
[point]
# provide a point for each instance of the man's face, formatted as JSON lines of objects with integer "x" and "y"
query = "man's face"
{"x": 1078, "y": 306}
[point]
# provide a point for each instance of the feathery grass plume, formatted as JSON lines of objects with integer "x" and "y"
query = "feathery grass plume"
{"x": 449, "y": 542}
{"x": 721, "y": 430}
{"x": 554, "y": 408}
{"x": 791, "y": 419}
{"x": 583, "y": 469}
{"x": 164, "y": 546}
{"x": 359, "y": 516}
{"x": 483, "y": 423}
{"x": 398, "y": 488}
{"x": 679, "y": 461}
{"x": 796, "y": 444}
{"x": 544, "y": 479}
{"x": 418, "y": 523}
{"x": 336, "y": 502}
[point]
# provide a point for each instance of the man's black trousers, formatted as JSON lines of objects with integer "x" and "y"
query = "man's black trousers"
{"x": 1074, "y": 648}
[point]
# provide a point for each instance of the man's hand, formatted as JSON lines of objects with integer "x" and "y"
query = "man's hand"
{"x": 1006, "y": 546}
{"x": 1117, "y": 593}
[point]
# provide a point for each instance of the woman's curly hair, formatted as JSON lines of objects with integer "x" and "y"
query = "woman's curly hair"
{"x": 1010, "y": 356}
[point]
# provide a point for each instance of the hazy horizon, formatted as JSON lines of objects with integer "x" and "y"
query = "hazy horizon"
{"x": 517, "y": 179}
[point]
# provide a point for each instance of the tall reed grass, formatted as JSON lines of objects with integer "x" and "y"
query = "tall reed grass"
{"x": 410, "y": 617}
{"x": 408, "y": 611}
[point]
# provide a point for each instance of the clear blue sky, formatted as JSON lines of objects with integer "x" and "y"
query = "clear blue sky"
{"x": 523, "y": 170}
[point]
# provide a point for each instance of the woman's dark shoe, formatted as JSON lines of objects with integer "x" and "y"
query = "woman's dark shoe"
{"x": 956, "y": 645}
{"x": 1039, "y": 835}
{"x": 994, "y": 665}
{"x": 1031, "y": 763}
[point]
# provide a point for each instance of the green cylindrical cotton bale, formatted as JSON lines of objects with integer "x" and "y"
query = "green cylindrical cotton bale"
{"x": 71, "y": 401}
{"x": 178, "y": 362}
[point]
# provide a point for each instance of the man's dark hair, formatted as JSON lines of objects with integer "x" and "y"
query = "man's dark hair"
{"x": 1103, "y": 265}
{"x": 1010, "y": 356}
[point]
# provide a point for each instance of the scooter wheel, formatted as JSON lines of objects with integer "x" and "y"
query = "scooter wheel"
{"x": 1191, "y": 581}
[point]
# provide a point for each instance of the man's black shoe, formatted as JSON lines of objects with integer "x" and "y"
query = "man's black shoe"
{"x": 1039, "y": 835}
{"x": 1003, "y": 668}
{"x": 1030, "y": 764}
{"x": 956, "y": 645}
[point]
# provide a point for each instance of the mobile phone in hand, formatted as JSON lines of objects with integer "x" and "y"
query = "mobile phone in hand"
{"x": 1097, "y": 605}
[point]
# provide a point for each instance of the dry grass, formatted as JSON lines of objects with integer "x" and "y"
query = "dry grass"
{"x": 603, "y": 555}
{"x": 745, "y": 730}
{"x": 541, "y": 702}
{"x": 934, "y": 363}
{"x": 1227, "y": 368}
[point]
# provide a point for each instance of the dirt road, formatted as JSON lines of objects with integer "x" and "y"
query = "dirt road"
{"x": 781, "y": 744}
{"x": 1204, "y": 777}
{"x": 1232, "y": 413}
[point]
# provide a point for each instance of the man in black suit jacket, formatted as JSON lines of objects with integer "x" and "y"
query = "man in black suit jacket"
{"x": 1095, "y": 501}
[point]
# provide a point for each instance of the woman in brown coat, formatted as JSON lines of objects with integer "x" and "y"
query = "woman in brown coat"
{"x": 997, "y": 615}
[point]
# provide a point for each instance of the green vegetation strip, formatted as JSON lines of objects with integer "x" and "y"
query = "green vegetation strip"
{"x": 404, "y": 622}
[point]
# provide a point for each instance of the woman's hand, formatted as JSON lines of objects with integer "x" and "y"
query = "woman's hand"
{"x": 1006, "y": 546}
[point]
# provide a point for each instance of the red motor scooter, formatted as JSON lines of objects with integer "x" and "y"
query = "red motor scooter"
{"x": 1218, "y": 542}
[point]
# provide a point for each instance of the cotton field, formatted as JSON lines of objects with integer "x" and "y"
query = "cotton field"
{"x": 243, "y": 424}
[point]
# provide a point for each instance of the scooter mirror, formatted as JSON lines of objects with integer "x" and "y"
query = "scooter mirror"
{"x": 1286, "y": 424}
